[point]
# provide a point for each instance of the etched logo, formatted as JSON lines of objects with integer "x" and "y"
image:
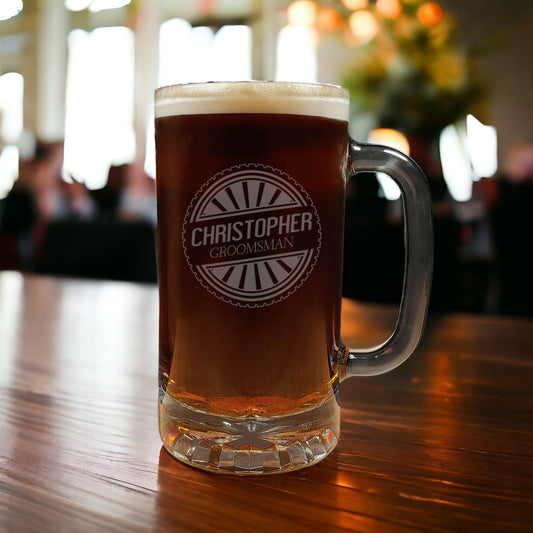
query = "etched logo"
{"x": 251, "y": 235}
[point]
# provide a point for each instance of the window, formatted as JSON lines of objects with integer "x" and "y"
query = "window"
{"x": 11, "y": 99}
{"x": 99, "y": 128}
{"x": 195, "y": 54}
{"x": 188, "y": 54}
{"x": 296, "y": 54}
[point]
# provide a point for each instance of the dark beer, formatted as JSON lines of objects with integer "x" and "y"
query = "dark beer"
{"x": 250, "y": 222}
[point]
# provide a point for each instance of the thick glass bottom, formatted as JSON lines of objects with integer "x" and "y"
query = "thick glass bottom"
{"x": 248, "y": 445}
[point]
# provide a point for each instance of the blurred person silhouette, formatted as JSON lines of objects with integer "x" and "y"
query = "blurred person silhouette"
{"x": 129, "y": 194}
{"x": 18, "y": 217}
{"x": 138, "y": 198}
{"x": 108, "y": 198}
{"x": 113, "y": 239}
{"x": 38, "y": 197}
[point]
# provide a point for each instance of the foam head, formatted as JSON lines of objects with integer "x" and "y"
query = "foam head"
{"x": 312, "y": 99}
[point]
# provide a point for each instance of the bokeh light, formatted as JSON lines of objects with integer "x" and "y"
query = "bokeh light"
{"x": 355, "y": 4}
{"x": 328, "y": 20}
{"x": 390, "y": 137}
{"x": 391, "y": 9}
{"x": 10, "y": 8}
{"x": 363, "y": 25}
{"x": 302, "y": 13}
{"x": 430, "y": 14}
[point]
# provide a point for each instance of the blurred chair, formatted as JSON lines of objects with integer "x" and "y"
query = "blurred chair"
{"x": 513, "y": 234}
{"x": 119, "y": 250}
{"x": 107, "y": 199}
{"x": 18, "y": 215}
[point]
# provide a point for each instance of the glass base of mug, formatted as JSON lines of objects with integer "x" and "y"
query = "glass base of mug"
{"x": 248, "y": 446}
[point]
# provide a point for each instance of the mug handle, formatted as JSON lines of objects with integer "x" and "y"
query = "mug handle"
{"x": 418, "y": 237}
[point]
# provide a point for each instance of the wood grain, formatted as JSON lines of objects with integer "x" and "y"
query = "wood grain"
{"x": 444, "y": 443}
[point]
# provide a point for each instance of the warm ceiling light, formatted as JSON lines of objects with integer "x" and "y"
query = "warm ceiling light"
{"x": 302, "y": 13}
{"x": 364, "y": 25}
{"x": 329, "y": 19}
{"x": 77, "y": 5}
{"x": 102, "y": 5}
{"x": 94, "y": 5}
{"x": 391, "y": 9}
{"x": 430, "y": 14}
{"x": 10, "y": 8}
{"x": 394, "y": 139}
{"x": 355, "y": 4}
{"x": 390, "y": 137}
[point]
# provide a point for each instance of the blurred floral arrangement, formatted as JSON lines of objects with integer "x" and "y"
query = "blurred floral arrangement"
{"x": 408, "y": 70}
{"x": 412, "y": 75}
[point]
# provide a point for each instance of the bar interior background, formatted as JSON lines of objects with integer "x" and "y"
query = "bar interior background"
{"x": 449, "y": 82}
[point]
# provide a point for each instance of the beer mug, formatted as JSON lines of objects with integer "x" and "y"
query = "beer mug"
{"x": 250, "y": 190}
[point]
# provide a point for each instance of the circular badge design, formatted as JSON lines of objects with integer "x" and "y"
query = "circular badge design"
{"x": 251, "y": 235}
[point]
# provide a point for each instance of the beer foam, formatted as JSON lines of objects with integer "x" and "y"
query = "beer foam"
{"x": 288, "y": 98}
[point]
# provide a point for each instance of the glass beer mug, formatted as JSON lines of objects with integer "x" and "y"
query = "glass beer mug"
{"x": 250, "y": 190}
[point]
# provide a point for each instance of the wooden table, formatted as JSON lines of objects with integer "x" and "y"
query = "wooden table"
{"x": 444, "y": 443}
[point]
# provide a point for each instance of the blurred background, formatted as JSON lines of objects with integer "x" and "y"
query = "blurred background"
{"x": 449, "y": 82}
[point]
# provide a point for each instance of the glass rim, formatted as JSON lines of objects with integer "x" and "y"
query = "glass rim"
{"x": 251, "y": 96}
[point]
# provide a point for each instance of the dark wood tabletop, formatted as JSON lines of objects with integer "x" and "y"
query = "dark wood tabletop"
{"x": 443, "y": 443}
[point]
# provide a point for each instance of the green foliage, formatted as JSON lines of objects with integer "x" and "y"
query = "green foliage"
{"x": 412, "y": 77}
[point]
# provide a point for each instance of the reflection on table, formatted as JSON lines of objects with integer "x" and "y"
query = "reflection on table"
{"x": 444, "y": 443}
